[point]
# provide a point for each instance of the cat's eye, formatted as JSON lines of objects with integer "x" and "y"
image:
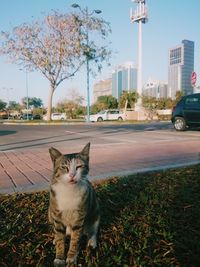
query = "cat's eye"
{"x": 64, "y": 167}
{"x": 79, "y": 166}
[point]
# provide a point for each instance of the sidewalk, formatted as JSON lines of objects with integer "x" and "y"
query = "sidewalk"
{"x": 31, "y": 170}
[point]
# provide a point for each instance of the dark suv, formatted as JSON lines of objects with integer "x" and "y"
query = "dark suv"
{"x": 187, "y": 112}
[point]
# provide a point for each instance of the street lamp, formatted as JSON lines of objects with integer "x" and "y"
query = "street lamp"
{"x": 27, "y": 101}
{"x": 86, "y": 14}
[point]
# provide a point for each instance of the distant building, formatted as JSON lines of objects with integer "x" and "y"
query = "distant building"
{"x": 181, "y": 65}
{"x": 155, "y": 88}
{"x": 124, "y": 78}
{"x": 103, "y": 87}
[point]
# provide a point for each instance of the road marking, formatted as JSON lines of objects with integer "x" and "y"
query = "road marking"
{"x": 152, "y": 137}
{"x": 121, "y": 140}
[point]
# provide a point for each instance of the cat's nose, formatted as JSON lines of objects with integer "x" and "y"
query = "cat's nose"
{"x": 72, "y": 178}
{"x": 71, "y": 175}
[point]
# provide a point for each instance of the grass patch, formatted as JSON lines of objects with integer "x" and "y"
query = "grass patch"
{"x": 150, "y": 219}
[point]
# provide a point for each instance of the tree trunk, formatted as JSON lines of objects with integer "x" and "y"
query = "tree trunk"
{"x": 125, "y": 107}
{"x": 49, "y": 104}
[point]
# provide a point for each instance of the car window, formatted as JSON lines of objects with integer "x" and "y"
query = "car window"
{"x": 102, "y": 112}
{"x": 113, "y": 112}
{"x": 192, "y": 101}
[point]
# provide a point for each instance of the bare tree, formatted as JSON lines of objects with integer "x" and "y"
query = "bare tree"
{"x": 54, "y": 46}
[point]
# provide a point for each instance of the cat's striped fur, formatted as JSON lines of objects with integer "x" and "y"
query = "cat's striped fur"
{"x": 73, "y": 207}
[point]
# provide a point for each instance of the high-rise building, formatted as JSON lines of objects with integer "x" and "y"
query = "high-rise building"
{"x": 103, "y": 87}
{"x": 155, "y": 88}
{"x": 124, "y": 78}
{"x": 181, "y": 65}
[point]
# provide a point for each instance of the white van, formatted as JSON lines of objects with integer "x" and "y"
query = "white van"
{"x": 57, "y": 117}
{"x": 108, "y": 115}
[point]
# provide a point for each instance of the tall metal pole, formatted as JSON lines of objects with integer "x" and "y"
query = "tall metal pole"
{"x": 86, "y": 13}
{"x": 88, "y": 90}
{"x": 140, "y": 16}
{"x": 27, "y": 101}
{"x": 139, "y": 74}
{"x": 87, "y": 68}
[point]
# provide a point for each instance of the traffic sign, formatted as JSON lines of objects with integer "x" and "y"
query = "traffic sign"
{"x": 193, "y": 78}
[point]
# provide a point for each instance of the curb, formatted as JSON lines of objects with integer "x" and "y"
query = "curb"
{"x": 98, "y": 178}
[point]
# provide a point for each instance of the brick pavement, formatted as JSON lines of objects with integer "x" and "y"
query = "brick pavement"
{"x": 31, "y": 170}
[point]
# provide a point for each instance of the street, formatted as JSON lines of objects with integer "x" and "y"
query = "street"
{"x": 43, "y": 136}
{"x": 116, "y": 149}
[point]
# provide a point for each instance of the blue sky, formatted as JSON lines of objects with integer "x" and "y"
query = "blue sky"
{"x": 170, "y": 22}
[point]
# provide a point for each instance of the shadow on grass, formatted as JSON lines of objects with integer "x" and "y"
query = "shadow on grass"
{"x": 150, "y": 219}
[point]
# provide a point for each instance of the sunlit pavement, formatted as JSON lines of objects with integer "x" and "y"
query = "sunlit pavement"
{"x": 30, "y": 169}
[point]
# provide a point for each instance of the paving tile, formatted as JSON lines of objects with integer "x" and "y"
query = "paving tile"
{"x": 17, "y": 177}
{"x": 31, "y": 170}
{"x": 5, "y": 181}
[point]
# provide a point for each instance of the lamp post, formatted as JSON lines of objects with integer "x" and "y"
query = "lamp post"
{"x": 140, "y": 16}
{"x": 86, "y": 14}
{"x": 27, "y": 101}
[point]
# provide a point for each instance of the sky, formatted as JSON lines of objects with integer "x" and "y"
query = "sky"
{"x": 170, "y": 22}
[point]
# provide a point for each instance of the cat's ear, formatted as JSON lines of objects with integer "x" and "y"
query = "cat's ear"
{"x": 54, "y": 153}
{"x": 86, "y": 150}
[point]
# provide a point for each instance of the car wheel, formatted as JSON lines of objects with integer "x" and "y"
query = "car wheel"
{"x": 179, "y": 124}
{"x": 100, "y": 119}
{"x": 120, "y": 119}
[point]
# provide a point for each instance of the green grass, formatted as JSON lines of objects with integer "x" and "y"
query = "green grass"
{"x": 150, "y": 219}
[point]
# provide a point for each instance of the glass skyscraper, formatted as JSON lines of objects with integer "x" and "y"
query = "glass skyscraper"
{"x": 124, "y": 78}
{"x": 181, "y": 65}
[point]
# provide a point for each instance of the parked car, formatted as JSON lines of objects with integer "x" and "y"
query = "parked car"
{"x": 24, "y": 116}
{"x": 109, "y": 114}
{"x": 3, "y": 114}
{"x": 187, "y": 112}
{"x": 56, "y": 116}
{"x": 37, "y": 117}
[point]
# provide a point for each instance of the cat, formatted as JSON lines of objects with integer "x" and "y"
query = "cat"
{"x": 73, "y": 206}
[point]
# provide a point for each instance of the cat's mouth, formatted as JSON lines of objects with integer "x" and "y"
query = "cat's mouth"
{"x": 72, "y": 182}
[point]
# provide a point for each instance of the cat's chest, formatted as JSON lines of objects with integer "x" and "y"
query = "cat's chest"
{"x": 69, "y": 197}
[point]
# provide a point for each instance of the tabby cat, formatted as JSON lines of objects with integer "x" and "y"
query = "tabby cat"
{"x": 73, "y": 207}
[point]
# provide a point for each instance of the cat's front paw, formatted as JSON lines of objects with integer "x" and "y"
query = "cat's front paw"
{"x": 59, "y": 263}
{"x": 71, "y": 261}
{"x": 92, "y": 242}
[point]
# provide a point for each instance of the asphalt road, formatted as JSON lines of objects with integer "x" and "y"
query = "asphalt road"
{"x": 158, "y": 135}
{"x": 15, "y": 137}
{"x": 116, "y": 149}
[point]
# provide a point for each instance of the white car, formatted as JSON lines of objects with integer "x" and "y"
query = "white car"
{"x": 57, "y": 117}
{"x": 108, "y": 115}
